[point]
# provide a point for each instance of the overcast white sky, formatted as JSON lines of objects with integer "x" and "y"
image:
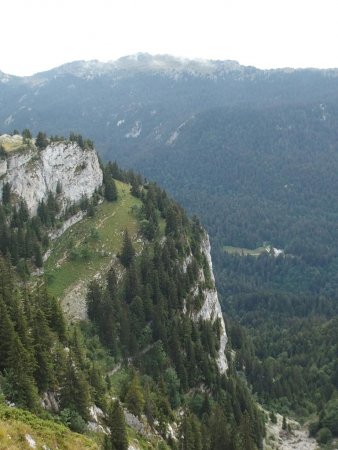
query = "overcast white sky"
{"x": 37, "y": 35}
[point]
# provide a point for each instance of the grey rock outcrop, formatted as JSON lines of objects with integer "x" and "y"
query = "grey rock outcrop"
{"x": 33, "y": 173}
{"x": 211, "y": 308}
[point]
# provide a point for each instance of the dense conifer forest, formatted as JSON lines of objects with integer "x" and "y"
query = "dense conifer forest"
{"x": 140, "y": 321}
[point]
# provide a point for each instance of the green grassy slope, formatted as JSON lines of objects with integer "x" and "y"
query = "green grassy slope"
{"x": 87, "y": 247}
{"x": 18, "y": 426}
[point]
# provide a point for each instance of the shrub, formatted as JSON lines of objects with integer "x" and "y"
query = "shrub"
{"x": 324, "y": 435}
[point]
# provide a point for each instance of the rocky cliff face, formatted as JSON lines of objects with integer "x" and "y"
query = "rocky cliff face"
{"x": 33, "y": 173}
{"x": 211, "y": 308}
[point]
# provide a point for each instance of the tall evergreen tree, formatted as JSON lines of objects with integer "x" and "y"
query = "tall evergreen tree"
{"x": 19, "y": 379}
{"x": 117, "y": 425}
{"x": 134, "y": 396}
{"x": 75, "y": 392}
{"x": 127, "y": 252}
{"x": 42, "y": 344}
{"x": 110, "y": 191}
{"x": 41, "y": 140}
{"x": 7, "y": 335}
{"x": 6, "y": 193}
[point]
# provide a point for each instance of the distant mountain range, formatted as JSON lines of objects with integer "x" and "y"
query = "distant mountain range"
{"x": 141, "y": 103}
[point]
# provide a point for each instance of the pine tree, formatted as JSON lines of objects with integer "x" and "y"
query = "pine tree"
{"x": 57, "y": 320}
{"x": 132, "y": 283}
{"x": 22, "y": 389}
{"x": 93, "y": 300}
{"x": 41, "y": 140}
{"x": 186, "y": 434}
{"x": 26, "y": 134}
{"x": 219, "y": 436}
{"x": 43, "y": 374}
{"x": 112, "y": 282}
{"x": 107, "y": 445}
{"x": 7, "y": 335}
{"x": 134, "y": 396}
{"x": 110, "y": 191}
{"x": 75, "y": 393}
{"x": 38, "y": 256}
{"x": 6, "y": 193}
{"x": 127, "y": 252}
{"x": 196, "y": 431}
{"x": 172, "y": 221}
{"x": 117, "y": 425}
{"x": 98, "y": 387}
{"x": 78, "y": 348}
{"x": 246, "y": 432}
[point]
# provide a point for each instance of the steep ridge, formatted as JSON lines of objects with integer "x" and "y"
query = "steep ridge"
{"x": 151, "y": 333}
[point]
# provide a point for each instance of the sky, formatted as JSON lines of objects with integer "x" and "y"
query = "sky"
{"x": 38, "y": 35}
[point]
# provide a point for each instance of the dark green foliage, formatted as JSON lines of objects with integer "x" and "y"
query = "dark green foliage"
{"x": 98, "y": 387}
{"x": 73, "y": 420}
{"x": 75, "y": 392}
{"x": 38, "y": 256}
{"x": 324, "y": 435}
{"x": 32, "y": 355}
{"x": 26, "y": 134}
{"x": 6, "y": 193}
{"x": 110, "y": 191}
{"x": 83, "y": 143}
{"x": 41, "y": 140}
{"x": 19, "y": 385}
{"x": 107, "y": 444}
{"x": 127, "y": 252}
{"x": 3, "y": 154}
{"x": 58, "y": 187}
{"x": 117, "y": 426}
{"x": 94, "y": 297}
{"x": 293, "y": 370}
{"x": 329, "y": 416}
{"x": 219, "y": 430}
{"x": 190, "y": 433}
{"x": 273, "y": 417}
{"x": 22, "y": 237}
{"x": 43, "y": 342}
{"x": 7, "y": 335}
{"x": 134, "y": 397}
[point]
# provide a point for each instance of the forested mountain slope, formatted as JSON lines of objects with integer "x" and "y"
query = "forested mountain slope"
{"x": 254, "y": 154}
{"x": 135, "y": 356}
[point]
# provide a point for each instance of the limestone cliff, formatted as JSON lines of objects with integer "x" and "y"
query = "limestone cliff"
{"x": 211, "y": 308}
{"x": 32, "y": 173}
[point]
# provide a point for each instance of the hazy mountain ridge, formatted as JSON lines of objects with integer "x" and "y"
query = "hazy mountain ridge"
{"x": 165, "y": 64}
{"x": 138, "y": 103}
